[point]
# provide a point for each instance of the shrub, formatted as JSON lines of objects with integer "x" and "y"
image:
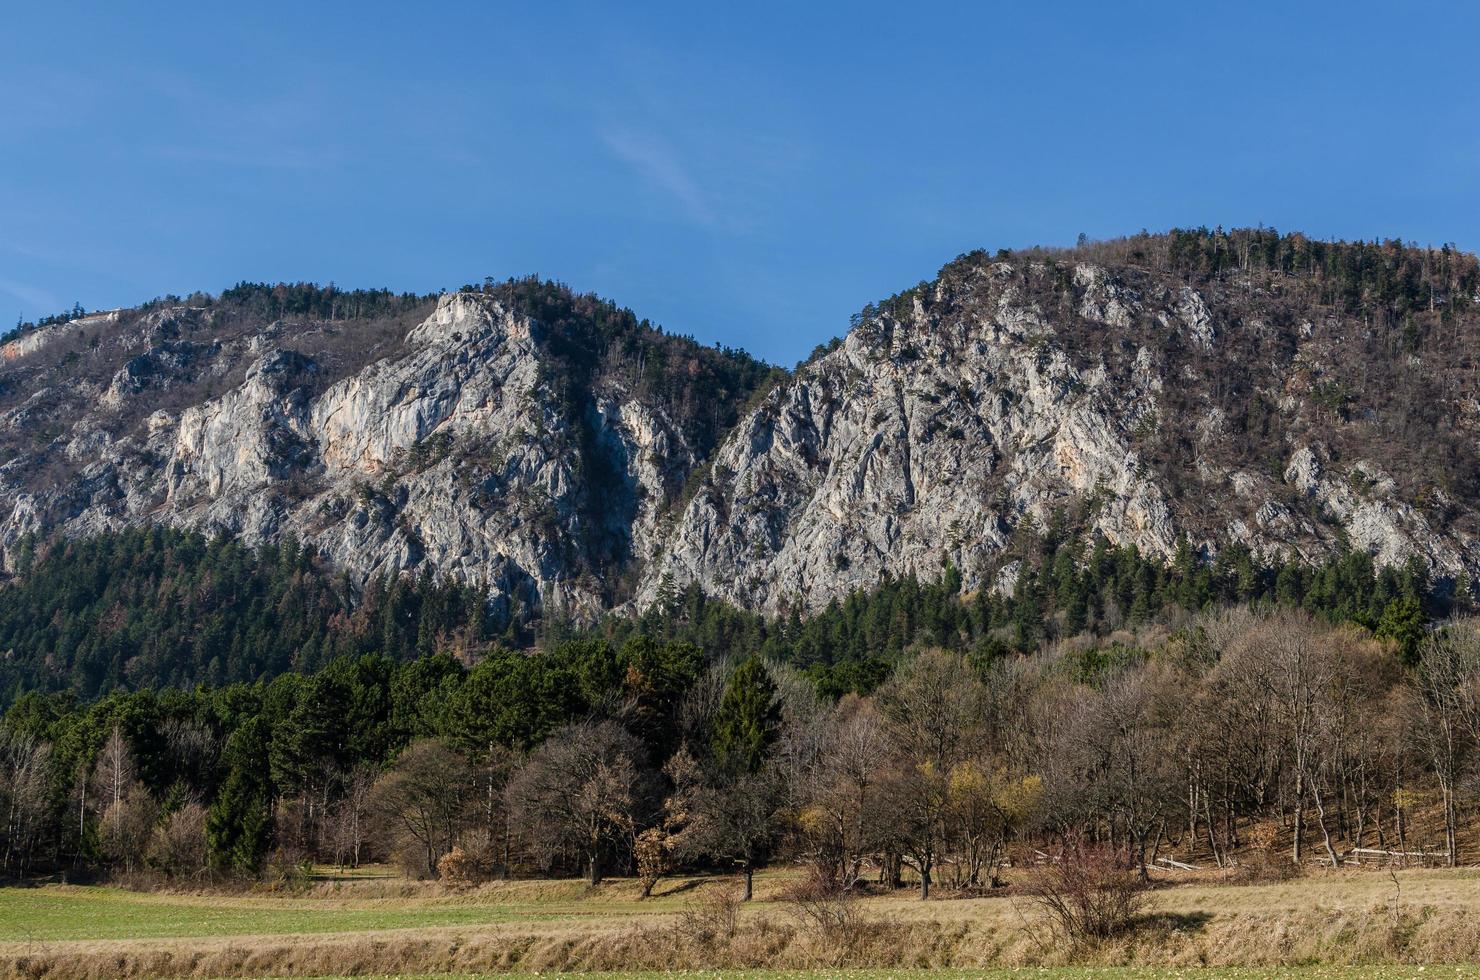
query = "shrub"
{"x": 179, "y": 843}
{"x": 714, "y": 915}
{"x": 460, "y": 867}
{"x": 1089, "y": 893}
{"x": 830, "y": 914}
{"x": 1265, "y": 861}
{"x": 289, "y": 868}
{"x": 126, "y": 827}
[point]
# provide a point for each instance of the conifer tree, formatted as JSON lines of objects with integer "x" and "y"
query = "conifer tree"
{"x": 748, "y": 719}
{"x": 239, "y": 826}
{"x": 1404, "y": 623}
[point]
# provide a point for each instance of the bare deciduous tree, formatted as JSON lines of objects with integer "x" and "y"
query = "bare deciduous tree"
{"x": 1447, "y": 709}
{"x": 422, "y": 803}
{"x": 844, "y": 816}
{"x": 734, "y": 819}
{"x": 349, "y": 819}
{"x": 113, "y": 773}
{"x": 934, "y": 708}
{"x": 579, "y": 791}
{"x": 25, "y": 763}
{"x": 179, "y": 842}
{"x": 127, "y": 812}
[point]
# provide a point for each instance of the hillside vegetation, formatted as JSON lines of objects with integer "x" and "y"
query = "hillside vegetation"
{"x": 1061, "y": 575}
{"x": 157, "y": 607}
{"x": 1208, "y": 390}
{"x": 1214, "y": 388}
{"x": 588, "y": 757}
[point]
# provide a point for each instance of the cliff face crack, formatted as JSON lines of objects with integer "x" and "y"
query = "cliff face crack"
{"x": 905, "y": 456}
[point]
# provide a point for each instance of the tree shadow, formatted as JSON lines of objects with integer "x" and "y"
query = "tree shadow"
{"x": 71, "y": 876}
{"x": 1173, "y": 921}
{"x": 687, "y": 885}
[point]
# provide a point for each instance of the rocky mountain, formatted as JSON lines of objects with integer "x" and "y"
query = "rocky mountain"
{"x": 1298, "y": 400}
{"x": 1195, "y": 389}
{"x": 519, "y": 438}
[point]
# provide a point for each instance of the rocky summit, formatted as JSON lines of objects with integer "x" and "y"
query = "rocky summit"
{"x": 1193, "y": 390}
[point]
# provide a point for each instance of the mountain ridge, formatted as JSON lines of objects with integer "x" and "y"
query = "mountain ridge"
{"x": 1292, "y": 396}
{"x": 1084, "y": 370}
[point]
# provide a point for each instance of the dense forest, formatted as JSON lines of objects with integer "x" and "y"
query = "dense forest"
{"x": 697, "y": 734}
{"x": 1061, "y": 592}
{"x": 1242, "y": 732}
{"x": 161, "y": 607}
{"x": 193, "y": 707}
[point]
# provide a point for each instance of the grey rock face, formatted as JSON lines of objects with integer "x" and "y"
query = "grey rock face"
{"x": 933, "y": 436}
{"x": 918, "y": 442}
{"x": 1008, "y": 396}
{"x": 453, "y": 456}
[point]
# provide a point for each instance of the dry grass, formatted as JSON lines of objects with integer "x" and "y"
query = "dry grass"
{"x": 1018, "y": 973}
{"x": 386, "y": 926}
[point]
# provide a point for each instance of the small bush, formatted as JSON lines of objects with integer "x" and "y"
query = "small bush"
{"x": 460, "y": 867}
{"x": 713, "y": 916}
{"x": 831, "y": 915}
{"x": 1088, "y": 894}
{"x": 289, "y": 868}
{"x": 1265, "y": 861}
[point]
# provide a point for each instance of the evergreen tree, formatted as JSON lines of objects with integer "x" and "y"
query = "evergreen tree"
{"x": 1404, "y": 623}
{"x": 239, "y": 825}
{"x": 748, "y": 719}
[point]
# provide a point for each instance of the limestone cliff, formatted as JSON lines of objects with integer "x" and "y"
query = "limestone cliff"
{"x": 560, "y": 454}
{"x": 1047, "y": 391}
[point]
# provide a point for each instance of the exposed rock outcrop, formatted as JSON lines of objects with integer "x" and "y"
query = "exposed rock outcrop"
{"x": 456, "y": 456}
{"x": 934, "y": 433}
{"x": 539, "y": 459}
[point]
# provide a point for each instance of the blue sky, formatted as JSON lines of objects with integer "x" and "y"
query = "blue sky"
{"x": 749, "y": 173}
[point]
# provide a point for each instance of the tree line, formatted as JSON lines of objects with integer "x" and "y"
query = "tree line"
{"x": 270, "y": 301}
{"x": 1391, "y": 276}
{"x": 1063, "y": 589}
{"x": 310, "y": 301}
{"x": 1395, "y": 279}
{"x": 156, "y": 607}
{"x": 24, "y": 326}
{"x": 1267, "y": 731}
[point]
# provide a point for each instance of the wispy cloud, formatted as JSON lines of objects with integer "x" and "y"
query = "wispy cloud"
{"x": 657, "y": 162}
{"x": 39, "y": 301}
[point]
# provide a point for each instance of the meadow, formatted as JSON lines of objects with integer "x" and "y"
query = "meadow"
{"x": 1333, "y": 924}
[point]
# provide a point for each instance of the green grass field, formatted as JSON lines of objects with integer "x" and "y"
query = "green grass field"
{"x": 368, "y": 925}
{"x": 83, "y": 913}
{"x": 104, "y": 913}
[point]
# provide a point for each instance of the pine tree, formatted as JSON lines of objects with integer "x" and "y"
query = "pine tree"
{"x": 1404, "y": 623}
{"x": 748, "y": 719}
{"x": 239, "y": 826}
